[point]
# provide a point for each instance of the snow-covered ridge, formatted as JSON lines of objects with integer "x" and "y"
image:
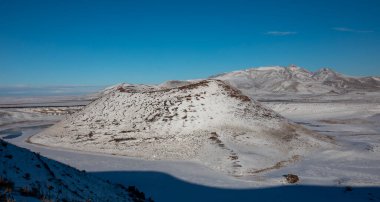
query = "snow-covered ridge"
{"x": 208, "y": 121}
{"x": 28, "y": 176}
{"x": 268, "y": 68}
{"x": 297, "y": 80}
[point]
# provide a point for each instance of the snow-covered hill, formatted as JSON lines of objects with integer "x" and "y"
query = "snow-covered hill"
{"x": 296, "y": 80}
{"x": 207, "y": 121}
{"x": 28, "y": 176}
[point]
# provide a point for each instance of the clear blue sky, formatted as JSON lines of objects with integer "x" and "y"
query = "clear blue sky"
{"x": 88, "y": 42}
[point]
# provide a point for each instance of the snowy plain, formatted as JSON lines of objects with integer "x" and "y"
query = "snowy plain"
{"x": 350, "y": 173}
{"x": 172, "y": 180}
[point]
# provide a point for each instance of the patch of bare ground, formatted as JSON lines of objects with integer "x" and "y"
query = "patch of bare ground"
{"x": 291, "y": 178}
{"x": 194, "y": 85}
{"x": 123, "y": 139}
{"x": 233, "y": 156}
{"x": 295, "y": 129}
{"x": 287, "y": 133}
{"x": 215, "y": 138}
{"x": 121, "y": 89}
{"x": 234, "y": 92}
{"x": 278, "y": 165}
{"x": 346, "y": 121}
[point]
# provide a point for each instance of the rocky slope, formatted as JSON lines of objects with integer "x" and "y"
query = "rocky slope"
{"x": 207, "y": 121}
{"x": 28, "y": 176}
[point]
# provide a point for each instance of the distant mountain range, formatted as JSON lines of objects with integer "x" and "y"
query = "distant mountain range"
{"x": 284, "y": 83}
{"x": 297, "y": 80}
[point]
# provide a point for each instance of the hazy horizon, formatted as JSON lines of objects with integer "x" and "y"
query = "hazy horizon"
{"x": 22, "y": 90}
{"x": 47, "y": 90}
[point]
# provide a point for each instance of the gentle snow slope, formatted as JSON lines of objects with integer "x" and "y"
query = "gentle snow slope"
{"x": 209, "y": 122}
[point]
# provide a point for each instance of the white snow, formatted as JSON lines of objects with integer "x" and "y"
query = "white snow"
{"x": 276, "y": 68}
{"x": 356, "y": 130}
{"x": 207, "y": 122}
{"x": 325, "y": 173}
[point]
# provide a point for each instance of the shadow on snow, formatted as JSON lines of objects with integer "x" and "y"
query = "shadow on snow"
{"x": 164, "y": 187}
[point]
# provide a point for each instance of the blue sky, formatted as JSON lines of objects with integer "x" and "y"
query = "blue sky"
{"x": 88, "y": 42}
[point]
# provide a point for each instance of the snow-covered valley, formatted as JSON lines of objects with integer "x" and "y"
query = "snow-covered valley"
{"x": 331, "y": 145}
